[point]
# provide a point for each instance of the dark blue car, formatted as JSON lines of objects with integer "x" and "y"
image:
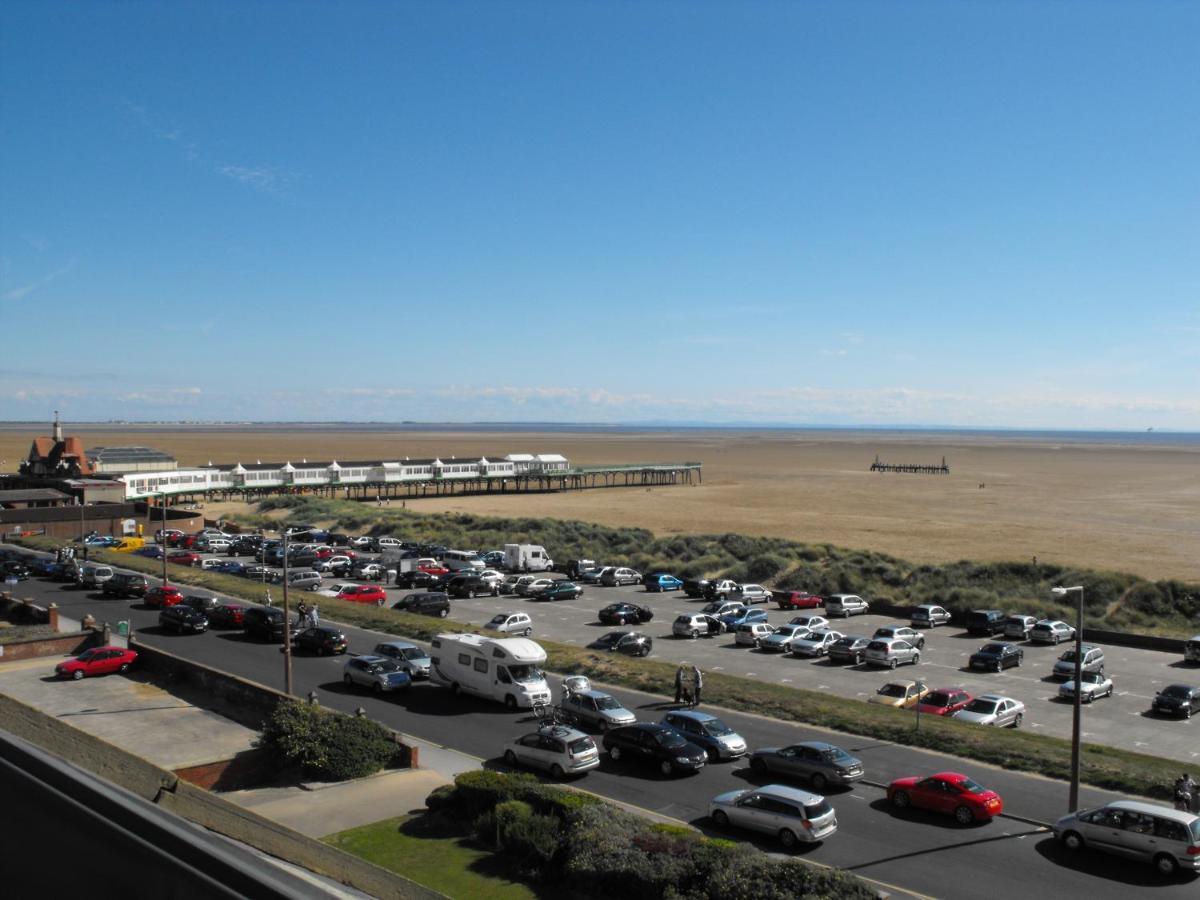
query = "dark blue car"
{"x": 660, "y": 581}
{"x": 747, "y": 616}
{"x": 231, "y": 568}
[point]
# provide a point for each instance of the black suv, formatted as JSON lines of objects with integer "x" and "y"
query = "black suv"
{"x": 656, "y": 744}
{"x": 425, "y": 604}
{"x": 125, "y": 585}
{"x": 468, "y": 586}
{"x": 321, "y": 639}
{"x": 985, "y": 621}
{"x": 247, "y": 545}
{"x": 996, "y": 656}
{"x": 264, "y": 623}
{"x": 183, "y": 619}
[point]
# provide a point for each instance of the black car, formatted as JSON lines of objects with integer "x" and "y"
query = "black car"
{"x": 323, "y": 639}
{"x": 1177, "y": 700}
{"x": 183, "y": 619}
{"x": 468, "y": 586}
{"x": 338, "y": 540}
{"x": 264, "y": 623}
{"x": 559, "y": 590}
{"x": 624, "y": 613}
{"x": 986, "y": 621}
{"x": 246, "y": 545}
{"x": 431, "y": 604}
{"x": 414, "y": 579}
{"x": 657, "y": 745}
{"x": 125, "y": 585}
{"x": 850, "y": 649}
{"x": 695, "y": 587}
{"x": 262, "y": 573}
{"x": 13, "y": 569}
{"x": 631, "y": 643}
{"x": 996, "y": 656}
{"x": 204, "y": 604}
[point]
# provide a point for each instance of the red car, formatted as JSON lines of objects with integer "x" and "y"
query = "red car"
{"x": 363, "y": 593}
{"x": 184, "y": 558}
{"x": 323, "y": 552}
{"x": 227, "y": 615}
{"x": 163, "y": 595}
{"x": 944, "y": 701}
{"x": 799, "y": 600}
{"x": 947, "y": 792}
{"x": 97, "y": 661}
{"x": 433, "y": 569}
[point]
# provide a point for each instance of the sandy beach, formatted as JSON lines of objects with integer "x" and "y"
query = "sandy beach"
{"x": 1105, "y": 505}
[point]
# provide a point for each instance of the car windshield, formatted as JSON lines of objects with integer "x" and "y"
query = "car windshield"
{"x": 581, "y": 745}
{"x": 670, "y": 740}
{"x": 385, "y": 665}
{"x": 892, "y": 690}
{"x": 684, "y": 620}
{"x": 713, "y": 607}
{"x": 937, "y": 698}
{"x": 1069, "y": 656}
{"x": 525, "y": 674}
{"x": 970, "y": 786}
{"x": 1177, "y": 690}
{"x": 788, "y": 630}
{"x": 607, "y": 703}
{"x": 992, "y": 649}
{"x": 816, "y": 810}
{"x": 611, "y": 638}
{"x": 1092, "y": 677}
{"x": 717, "y": 728}
{"x": 499, "y": 620}
{"x": 981, "y": 706}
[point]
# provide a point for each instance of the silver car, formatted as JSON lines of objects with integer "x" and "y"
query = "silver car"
{"x": 992, "y": 709}
{"x": 751, "y": 634}
{"x": 754, "y": 593}
{"x": 927, "y": 615}
{"x": 891, "y": 652}
{"x": 594, "y": 709}
{"x": 1051, "y": 631}
{"x": 1141, "y": 831}
{"x": 846, "y": 605}
{"x": 620, "y": 576}
{"x": 411, "y": 658}
{"x": 1095, "y": 684}
{"x": 792, "y": 815}
{"x": 1018, "y": 627}
{"x": 816, "y": 644}
{"x": 378, "y": 673}
{"x": 781, "y": 640}
{"x": 821, "y": 764}
{"x": 1093, "y": 661}
{"x": 902, "y": 632}
{"x": 560, "y": 750}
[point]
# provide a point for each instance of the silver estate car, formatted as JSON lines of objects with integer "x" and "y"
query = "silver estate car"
{"x": 378, "y": 673}
{"x": 792, "y": 815}
{"x": 1141, "y": 831}
{"x": 821, "y": 764}
{"x": 992, "y": 709}
{"x": 412, "y": 659}
{"x": 595, "y": 709}
{"x": 891, "y": 652}
{"x": 560, "y": 750}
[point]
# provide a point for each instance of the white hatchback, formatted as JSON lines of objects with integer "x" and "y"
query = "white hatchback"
{"x": 560, "y": 750}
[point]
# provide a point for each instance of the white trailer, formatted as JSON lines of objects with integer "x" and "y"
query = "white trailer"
{"x": 502, "y": 669}
{"x": 527, "y": 558}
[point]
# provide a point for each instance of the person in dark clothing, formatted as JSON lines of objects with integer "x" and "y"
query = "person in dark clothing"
{"x": 697, "y": 685}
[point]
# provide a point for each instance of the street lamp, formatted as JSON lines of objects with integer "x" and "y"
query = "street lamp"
{"x": 1077, "y": 708}
{"x": 921, "y": 686}
{"x": 287, "y": 623}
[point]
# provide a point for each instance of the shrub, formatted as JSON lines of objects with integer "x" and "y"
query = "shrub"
{"x": 765, "y": 567}
{"x": 326, "y": 745}
{"x": 482, "y": 790}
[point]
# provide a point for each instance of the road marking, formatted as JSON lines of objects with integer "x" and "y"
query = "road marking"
{"x": 785, "y": 681}
{"x": 823, "y": 687}
{"x": 1035, "y": 724}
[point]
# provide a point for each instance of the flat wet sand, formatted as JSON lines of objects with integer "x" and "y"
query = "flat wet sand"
{"x": 1128, "y": 507}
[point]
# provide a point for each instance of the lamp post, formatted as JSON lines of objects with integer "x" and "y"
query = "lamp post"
{"x": 920, "y": 691}
{"x": 1077, "y": 708}
{"x": 162, "y": 545}
{"x": 287, "y": 622}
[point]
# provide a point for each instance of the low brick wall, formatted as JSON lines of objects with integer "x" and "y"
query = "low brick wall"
{"x": 61, "y": 645}
{"x": 249, "y": 769}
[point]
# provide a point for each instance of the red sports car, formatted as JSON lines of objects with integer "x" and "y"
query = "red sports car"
{"x": 947, "y": 792}
{"x": 944, "y": 701}
{"x": 163, "y": 595}
{"x": 799, "y": 600}
{"x": 184, "y": 558}
{"x": 227, "y": 615}
{"x": 364, "y": 593}
{"x": 97, "y": 661}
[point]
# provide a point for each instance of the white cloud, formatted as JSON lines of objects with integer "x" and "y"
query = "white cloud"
{"x": 27, "y": 289}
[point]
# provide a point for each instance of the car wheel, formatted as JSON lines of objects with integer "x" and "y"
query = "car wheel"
{"x": 557, "y": 773}
{"x": 901, "y": 800}
{"x": 347, "y": 680}
{"x": 510, "y": 702}
{"x": 614, "y": 753}
{"x": 1020, "y": 659}
{"x": 1166, "y": 864}
{"x": 963, "y": 815}
{"x": 713, "y": 755}
{"x": 758, "y": 766}
{"x": 1073, "y": 841}
{"x": 665, "y": 767}
{"x": 621, "y": 623}
{"x": 510, "y": 759}
{"x": 1018, "y": 719}
{"x": 1187, "y": 713}
{"x": 858, "y": 659}
{"x": 818, "y": 782}
{"x": 916, "y": 659}
{"x": 695, "y": 633}
{"x": 527, "y": 632}
{"x": 921, "y": 644}
{"x": 999, "y": 665}
{"x": 376, "y": 689}
{"x": 788, "y": 838}
{"x": 894, "y": 663}
{"x": 454, "y": 689}
{"x": 720, "y": 819}
{"x": 645, "y": 651}
{"x": 443, "y": 613}
{"x": 1110, "y": 690}
{"x": 77, "y": 674}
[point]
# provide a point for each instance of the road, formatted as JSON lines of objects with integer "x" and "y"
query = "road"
{"x": 914, "y": 852}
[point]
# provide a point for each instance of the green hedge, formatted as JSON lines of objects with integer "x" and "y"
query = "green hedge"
{"x": 326, "y": 745}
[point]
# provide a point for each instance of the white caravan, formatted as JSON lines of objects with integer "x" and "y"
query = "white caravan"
{"x": 501, "y": 669}
{"x": 527, "y": 558}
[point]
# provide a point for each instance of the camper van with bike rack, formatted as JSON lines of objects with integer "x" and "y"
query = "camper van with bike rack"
{"x": 502, "y": 669}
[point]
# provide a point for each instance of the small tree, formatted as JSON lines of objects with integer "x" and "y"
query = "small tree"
{"x": 326, "y": 745}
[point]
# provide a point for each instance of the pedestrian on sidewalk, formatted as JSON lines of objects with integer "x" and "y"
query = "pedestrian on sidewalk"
{"x": 301, "y": 614}
{"x": 679, "y": 685}
{"x": 697, "y": 685}
{"x": 314, "y": 618}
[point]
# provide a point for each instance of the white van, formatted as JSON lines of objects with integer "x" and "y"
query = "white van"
{"x": 501, "y": 669}
{"x": 458, "y": 560}
{"x": 93, "y": 576}
{"x": 527, "y": 558}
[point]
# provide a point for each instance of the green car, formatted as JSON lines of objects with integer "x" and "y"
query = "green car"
{"x": 560, "y": 590}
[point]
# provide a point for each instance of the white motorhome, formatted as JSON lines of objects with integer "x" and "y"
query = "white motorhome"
{"x": 462, "y": 560}
{"x": 501, "y": 669}
{"x": 527, "y": 558}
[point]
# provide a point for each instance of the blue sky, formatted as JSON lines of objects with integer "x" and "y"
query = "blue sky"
{"x": 975, "y": 214}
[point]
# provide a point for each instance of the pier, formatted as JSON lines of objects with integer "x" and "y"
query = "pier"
{"x": 912, "y": 468}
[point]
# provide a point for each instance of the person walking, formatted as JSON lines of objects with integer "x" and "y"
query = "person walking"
{"x": 314, "y": 618}
{"x": 697, "y": 685}
{"x": 679, "y": 685}
{"x": 1185, "y": 793}
{"x": 301, "y": 614}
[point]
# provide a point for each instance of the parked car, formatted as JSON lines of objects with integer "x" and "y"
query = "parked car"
{"x": 718, "y": 739}
{"x": 694, "y": 626}
{"x": 751, "y": 633}
{"x": 903, "y": 633}
{"x": 1017, "y": 627}
{"x": 1176, "y": 700}
{"x": 184, "y": 558}
{"x": 471, "y": 586}
{"x": 574, "y": 568}
{"x": 363, "y": 593}
{"x": 411, "y": 658}
{"x": 516, "y": 623}
{"x": 817, "y": 643}
{"x": 93, "y": 576}
{"x": 722, "y": 589}
{"x": 1050, "y": 631}
{"x": 794, "y": 816}
{"x": 534, "y": 586}
{"x": 595, "y": 710}
{"x": 732, "y": 620}
{"x": 162, "y": 595}
{"x": 264, "y": 623}
{"x": 1091, "y": 661}
{"x": 96, "y": 661}
{"x": 657, "y": 745}
{"x": 594, "y": 576}
{"x": 985, "y": 621}
{"x": 372, "y": 571}
{"x": 891, "y": 652}
{"x": 126, "y": 585}
{"x": 1145, "y": 832}
{"x": 377, "y": 673}
{"x": 616, "y": 577}
{"x": 720, "y": 608}
{"x": 631, "y": 643}
{"x": 929, "y": 615}
{"x": 559, "y": 590}
{"x": 996, "y": 656}
{"x": 752, "y": 593}
{"x": 817, "y": 762}
{"x": 227, "y": 615}
{"x": 413, "y": 579}
{"x": 850, "y": 648}
{"x": 993, "y": 709}
{"x": 661, "y": 581}
{"x": 624, "y": 613}
{"x": 900, "y": 694}
{"x": 812, "y": 623}
{"x": 1191, "y": 649}
{"x": 557, "y": 749}
{"x": 432, "y": 604}
{"x": 846, "y": 605}
{"x": 798, "y": 600}
{"x": 201, "y": 603}
{"x": 780, "y": 640}
{"x": 231, "y": 567}
{"x": 1094, "y": 685}
{"x": 695, "y": 587}
{"x": 944, "y": 701}
{"x": 183, "y": 619}
{"x": 949, "y": 793}
{"x": 338, "y": 566}
{"x": 304, "y": 581}
{"x": 322, "y": 639}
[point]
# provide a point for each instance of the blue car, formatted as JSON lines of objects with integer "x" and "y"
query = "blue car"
{"x": 718, "y": 739}
{"x": 745, "y": 617}
{"x": 233, "y": 567}
{"x": 660, "y": 581}
{"x": 152, "y": 552}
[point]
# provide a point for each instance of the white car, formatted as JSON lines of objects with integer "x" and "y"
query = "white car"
{"x": 816, "y": 644}
{"x": 334, "y": 562}
{"x": 559, "y": 750}
{"x": 752, "y": 633}
{"x": 492, "y": 577}
{"x": 1095, "y": 684}
{"x": 534, "y": 586}
{"x": 754, "y": 593}
{"x": 514, "y": 583}
{"x": 812, "y": 623}
{"x": 846, "y": 605}
{"x": 510, "y": 623}
{"x": 211, "y": 562}
{"x": 901, "y": 632}
{"x": 219, "y": 543}
{"x": 336, "y": 589}
{"x": 992, "y": 709}
{"x": 360, "y": 542}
